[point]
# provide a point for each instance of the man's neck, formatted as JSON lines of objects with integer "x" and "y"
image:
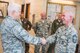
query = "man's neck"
{"x": 13, "y": 17}
{"x": 68, "y": 25}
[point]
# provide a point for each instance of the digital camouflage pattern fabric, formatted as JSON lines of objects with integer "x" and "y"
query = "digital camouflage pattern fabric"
{"x": 66, "y": 39}
{"x": 14, "y": 36}
{"x": 42, "y": 29}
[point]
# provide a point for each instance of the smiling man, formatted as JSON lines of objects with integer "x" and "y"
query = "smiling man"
{"x": 65, "y": 37}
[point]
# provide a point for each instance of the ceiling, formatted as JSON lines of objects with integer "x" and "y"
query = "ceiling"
{"x": 75, "y": 0}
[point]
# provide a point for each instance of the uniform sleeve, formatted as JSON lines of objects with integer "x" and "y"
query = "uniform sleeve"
{"x": 53, "y": 38}
{"x": 23, "y": 35}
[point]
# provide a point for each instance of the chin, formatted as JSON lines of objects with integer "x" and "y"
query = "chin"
{"x": 64, "y": 23}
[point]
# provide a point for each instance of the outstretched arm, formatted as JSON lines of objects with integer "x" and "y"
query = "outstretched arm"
{"x": 51, "y": 39}
{"x": 23, "y": 35}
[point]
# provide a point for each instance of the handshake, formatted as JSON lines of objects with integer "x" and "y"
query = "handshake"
{"x": 48, "y": 40}
{"x": 43, "y": 41}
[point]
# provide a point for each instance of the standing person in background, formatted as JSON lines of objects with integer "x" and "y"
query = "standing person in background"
{"x": 13, "y": 34}
{"x": 42, "y": 29}
{"x": 55, "y": 25}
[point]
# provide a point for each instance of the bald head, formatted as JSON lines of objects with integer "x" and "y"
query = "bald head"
{"x": 59, "y": 15}
{"x": 43, "y": 15}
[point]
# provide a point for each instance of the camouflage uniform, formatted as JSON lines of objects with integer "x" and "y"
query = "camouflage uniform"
{"x": 66, "y": 39}
{"x": 55, "y": 25}
{"x": 14, "y": 35}
{"x": 42, "y": 29}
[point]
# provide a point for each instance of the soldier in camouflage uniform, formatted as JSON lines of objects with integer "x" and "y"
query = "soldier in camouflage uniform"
{"x": 55, "y": 25}
{"x": 66, "y": 37}
{"x": 42, "y": 29}
{"x": 13, "y": 35}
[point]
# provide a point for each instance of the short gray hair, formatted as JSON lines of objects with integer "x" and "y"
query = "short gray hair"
{"x": 13, "y": 7}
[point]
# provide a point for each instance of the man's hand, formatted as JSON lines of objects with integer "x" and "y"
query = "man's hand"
{"x": 43, "y": 41}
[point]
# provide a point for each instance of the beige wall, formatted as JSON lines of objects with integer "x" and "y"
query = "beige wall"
{"x": 62, "y": 1}
{"x": 37, "y": 6}
{"x": 16, "y": 1}
{"x": 1, "y": 49}
{"x": 78, "y": 20}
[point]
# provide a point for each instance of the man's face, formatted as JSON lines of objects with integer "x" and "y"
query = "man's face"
{"x": 43, "y": 16}
{"x": 66, "y": 21}
{"x": 59, "y": 16}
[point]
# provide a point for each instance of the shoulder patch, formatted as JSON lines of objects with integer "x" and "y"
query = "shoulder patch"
{"x": 74, "y": 38}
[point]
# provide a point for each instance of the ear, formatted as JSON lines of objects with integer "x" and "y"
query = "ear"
{"x": 71, "y": 18}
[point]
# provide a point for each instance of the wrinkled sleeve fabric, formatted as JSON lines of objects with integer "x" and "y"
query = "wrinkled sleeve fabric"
{"x": 20, "y": 33}
{"x": 53, "y": 38}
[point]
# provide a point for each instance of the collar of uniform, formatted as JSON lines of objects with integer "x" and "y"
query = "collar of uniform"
{"x": 11, "y": 17}
{"x": 43, "y": 20}
{"x": 18, "y": 20}
{"x": 59, "y": 20}
{"x": 68, "y": 27}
